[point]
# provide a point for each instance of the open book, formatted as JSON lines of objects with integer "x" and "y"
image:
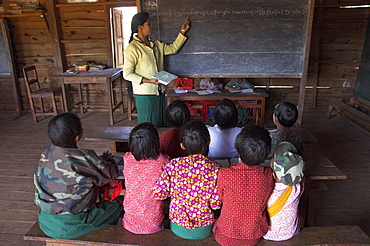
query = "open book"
{"x": 164, "y": 77}
{"x": 184, "y": 91}
{"x": 242, "y": 90}
{"x": 205, "y": 92}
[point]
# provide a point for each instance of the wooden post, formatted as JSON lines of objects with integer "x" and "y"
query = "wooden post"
{"x": 54, "y": 29}
{"x": 316, "y": 56}
{"x": 302, "y": 89}
{"x": 13, "y": 72}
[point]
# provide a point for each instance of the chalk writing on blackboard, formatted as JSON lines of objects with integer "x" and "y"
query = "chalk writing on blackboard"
{"x": 255, "y": 12}
{"x": 233, "y": 38}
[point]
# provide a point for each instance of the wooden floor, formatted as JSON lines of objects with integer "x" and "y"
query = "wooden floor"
{"x": 345, "y": 203}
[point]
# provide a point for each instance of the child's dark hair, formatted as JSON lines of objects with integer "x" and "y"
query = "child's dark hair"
{"x": 216, "y": 81}
{"x": 177, "y": 114}
{"x": 253, "y": 144}
{"x": 137, "y": 20}
{"x": 144, "y": 141}
{"x": 286, "y": 113}
{"x": 226, "y": 114}
{"x": 195, "y": 138}
{"x": 63, "y": 129}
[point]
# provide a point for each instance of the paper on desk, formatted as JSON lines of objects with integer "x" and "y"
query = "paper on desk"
{"x": 241, "y": 91}
{"x": 184, "y": 91}
{"x": 206, "y": 92}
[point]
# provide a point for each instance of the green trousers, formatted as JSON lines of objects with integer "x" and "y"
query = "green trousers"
{"x": 76, "y": 225}
{"x": 151, "y": 108}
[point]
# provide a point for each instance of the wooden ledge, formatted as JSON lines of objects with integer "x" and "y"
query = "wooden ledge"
{"x": 113, "y": 235}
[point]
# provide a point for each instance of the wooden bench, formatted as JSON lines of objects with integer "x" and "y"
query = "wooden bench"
{"x": 116, "y": 235}
{"x": 360, "y": 103}
{"x": 353, "y": 115}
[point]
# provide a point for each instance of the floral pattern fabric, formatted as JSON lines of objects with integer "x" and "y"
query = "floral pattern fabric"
{"x": 190, "y": 181}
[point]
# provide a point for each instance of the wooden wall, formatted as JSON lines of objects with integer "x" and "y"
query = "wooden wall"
{"x": 337, "y": 41}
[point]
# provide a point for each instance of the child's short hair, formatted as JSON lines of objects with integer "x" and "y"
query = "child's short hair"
{"x": 177, "y": 113}
{"x": 288, "y": 164}
{"x": 63, "y": 129}
{"x": 286, "y": 113}
{"x": 144, "y": 141}
{"x": 253, "y": 144}
{"x": 195, "y": 138}
{"x": 226, "y": 114}
{"x": 216, "y": 81}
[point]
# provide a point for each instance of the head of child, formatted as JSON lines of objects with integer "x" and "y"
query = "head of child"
{"x": 226, "y": 114}
{"x": 144, "y": 142}
{"x": 177, "y": 114}
{"x": 287, "y": 164}
{"x": 253, "y": 144}
{"x": 195, "y": 138}
{"x": 65, "y": 129}
{"x": 285, "y": 115}
{"x": 215, "y": 81}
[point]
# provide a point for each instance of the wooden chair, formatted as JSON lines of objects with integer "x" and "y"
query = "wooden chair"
{"x": 35, "y": 92}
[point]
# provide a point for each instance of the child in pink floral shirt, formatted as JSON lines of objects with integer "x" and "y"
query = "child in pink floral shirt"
{"x": 142, "y": 168}
{"x": 190, "y": 181}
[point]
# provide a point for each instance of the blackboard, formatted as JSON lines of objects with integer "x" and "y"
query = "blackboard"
{"x": 362, "y": 88}
{"x": 4, "y": 62}
{"x": 233, "y": 38}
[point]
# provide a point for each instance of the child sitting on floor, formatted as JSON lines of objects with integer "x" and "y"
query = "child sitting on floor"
{"x": 244, "y": 190}
{"x": 288, "y": 167}
{"x": 177, "y": 115}
{"x": 67, "y": 183}
{"x": 142, "y": 168}
{"x": 190, "y": 181}
{"x": 284, "y": 117}
{"x": 223, "y": 134}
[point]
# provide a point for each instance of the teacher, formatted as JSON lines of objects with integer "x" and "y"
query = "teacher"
{"x": 144, "y": 57}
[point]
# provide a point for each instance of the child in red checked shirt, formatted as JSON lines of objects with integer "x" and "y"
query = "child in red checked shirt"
{"x": 190, "y": 181}
{"x": 244, "y": 190}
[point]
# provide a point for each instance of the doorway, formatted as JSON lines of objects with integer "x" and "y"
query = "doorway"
{"x": 121, "y": 31}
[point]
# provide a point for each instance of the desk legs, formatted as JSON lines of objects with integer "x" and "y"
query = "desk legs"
{"x": 263, "y": 112}
{"x": 64, "y": 94}
{"x": 121, "y": 94}
{"x": 110, "y": 101}
{"x": 82, "y": 109}
{"x": 114, "y": 104}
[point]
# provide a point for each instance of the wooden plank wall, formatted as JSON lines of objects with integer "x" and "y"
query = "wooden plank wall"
{"x": 85, "y": 37}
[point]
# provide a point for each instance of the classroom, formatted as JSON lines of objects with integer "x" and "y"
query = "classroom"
{"x": 312, "y": 53}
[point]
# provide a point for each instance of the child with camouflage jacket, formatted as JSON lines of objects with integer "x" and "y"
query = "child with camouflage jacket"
{"x": 67, "y": 183}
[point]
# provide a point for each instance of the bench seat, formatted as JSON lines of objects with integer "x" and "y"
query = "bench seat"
{"x": 113, "y": 235}
{"x": 360, "y": 103}
{"x": 353, "y": 115}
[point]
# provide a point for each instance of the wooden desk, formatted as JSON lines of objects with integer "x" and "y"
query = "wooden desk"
{"x": 117, "y": 136}
{"x": 107, "y": 76}
{"x": 259, "y": 96}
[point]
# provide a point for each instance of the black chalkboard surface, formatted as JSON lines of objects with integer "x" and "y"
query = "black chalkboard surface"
{"x": 4, "y": 62}
{"x": 233, "y": 38}
{"x": 362, "y": 88}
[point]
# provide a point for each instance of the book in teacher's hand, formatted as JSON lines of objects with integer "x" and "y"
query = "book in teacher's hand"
{"x": 164, "y": 77}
